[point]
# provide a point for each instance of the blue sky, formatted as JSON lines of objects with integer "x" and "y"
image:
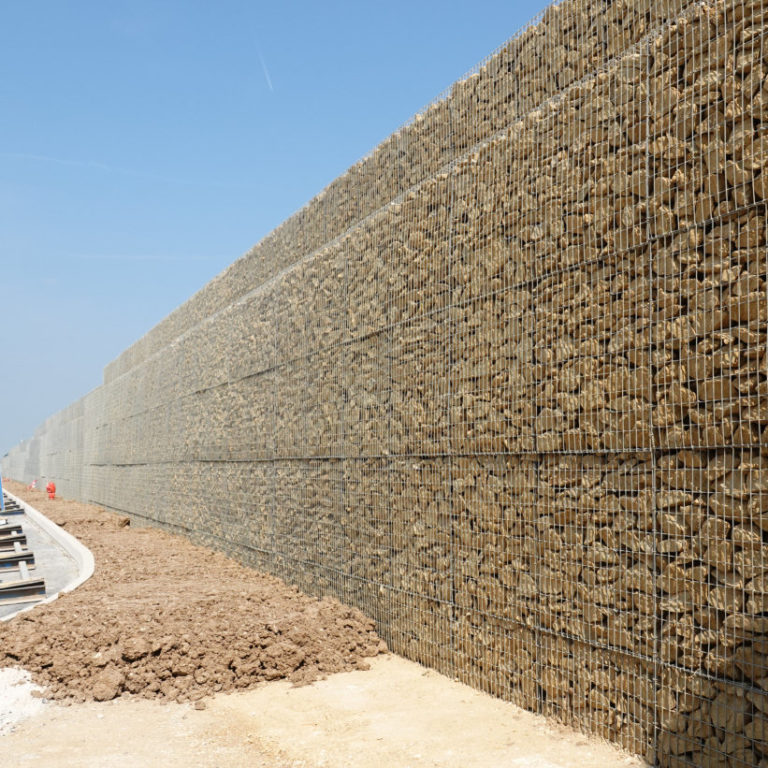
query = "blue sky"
{"x": 146, "y": 145}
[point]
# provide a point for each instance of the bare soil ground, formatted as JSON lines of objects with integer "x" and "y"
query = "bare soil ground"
{"x": 165, "y": 621}
{"x": 162, "y": 618}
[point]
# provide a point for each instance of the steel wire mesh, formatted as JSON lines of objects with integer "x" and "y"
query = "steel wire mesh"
{"x": 503, "y": 385}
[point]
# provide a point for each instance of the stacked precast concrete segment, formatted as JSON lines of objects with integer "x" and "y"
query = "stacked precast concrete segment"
{"x": 503, "y": 385}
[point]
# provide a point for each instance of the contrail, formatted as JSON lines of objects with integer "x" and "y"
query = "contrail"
{"x": 118, "y": 169}
{"x": 62, "y": 161}
{"x": 266, "y": 71}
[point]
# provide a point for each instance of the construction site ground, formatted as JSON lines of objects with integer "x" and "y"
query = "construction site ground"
{"x": 174, "y": 655}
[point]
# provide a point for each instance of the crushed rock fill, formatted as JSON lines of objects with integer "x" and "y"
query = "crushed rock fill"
{"x": 162, "y": 618}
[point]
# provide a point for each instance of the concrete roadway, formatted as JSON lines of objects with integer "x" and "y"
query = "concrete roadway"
{"x": 52, "y": 561}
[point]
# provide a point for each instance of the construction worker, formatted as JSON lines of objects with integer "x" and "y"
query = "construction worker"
{"x": 51, "y": 488}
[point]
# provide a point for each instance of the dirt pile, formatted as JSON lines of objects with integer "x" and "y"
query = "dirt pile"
{"x": 163, "y": 618}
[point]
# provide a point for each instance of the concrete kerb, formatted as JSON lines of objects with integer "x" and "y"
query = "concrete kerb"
{"x": 81, "y": 554}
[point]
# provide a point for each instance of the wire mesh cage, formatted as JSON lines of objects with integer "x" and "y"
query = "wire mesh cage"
{"x": 503, "y": 385}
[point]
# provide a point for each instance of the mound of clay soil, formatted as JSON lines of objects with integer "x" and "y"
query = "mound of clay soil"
{"x": 163, "y": 618}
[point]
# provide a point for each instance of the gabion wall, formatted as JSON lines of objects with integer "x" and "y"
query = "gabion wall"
{"x": 503, "y": 385}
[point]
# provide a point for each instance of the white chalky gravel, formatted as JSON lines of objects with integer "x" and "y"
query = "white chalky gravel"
{"x": 17, "y": 702}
